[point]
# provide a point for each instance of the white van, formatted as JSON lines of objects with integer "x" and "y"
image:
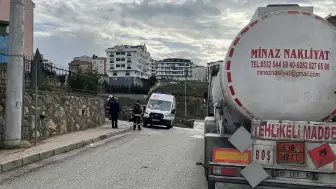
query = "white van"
{"x": 160, "y": 110}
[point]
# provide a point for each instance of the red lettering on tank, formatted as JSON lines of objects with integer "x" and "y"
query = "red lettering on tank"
{"x": 333, "y": 133}
{"x": 288, "y": 131}
{"x": 320, "y": 132}
{"x": 326, "y": 133}
{"x": 313, "y": 133}
{"x": 306, "y": 132}
{"x": 267, "y": 130}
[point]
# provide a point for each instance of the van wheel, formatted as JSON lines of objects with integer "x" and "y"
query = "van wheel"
{"x": 169, "y": 125}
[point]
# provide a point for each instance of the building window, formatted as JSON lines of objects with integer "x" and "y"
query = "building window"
{"x": 127, "y": 73}
{"x": 123, "y": 65}
{"x": 111, "y": 61}
{"x": 128, "y": 67}
{"x": 111, "y": 67}
{"x": 117, "y": 53}
{"x": 122, "y": 53}
{"x": 129, "y": 54}
{"x": 118, "y": 65}
{"x": 122, "y": 59}
{"x": 111, "y": 55}
{"x": 115, "y": 73}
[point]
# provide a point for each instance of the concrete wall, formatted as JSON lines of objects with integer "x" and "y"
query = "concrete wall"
{"x": 130, "y": 96}
{"x": 28, "y": 22}
{"x": 62, "y": 113}
{"x": 125, "y": 81}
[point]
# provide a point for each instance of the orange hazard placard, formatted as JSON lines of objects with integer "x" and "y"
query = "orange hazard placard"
{"x": 322, "y": 155}
{"x": 230, "y": 155}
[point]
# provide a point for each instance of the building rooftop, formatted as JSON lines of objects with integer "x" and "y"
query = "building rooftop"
{"x": 283, "y": 5}
{"x": 128, "y": 46}
{"x": 174, "y": 60}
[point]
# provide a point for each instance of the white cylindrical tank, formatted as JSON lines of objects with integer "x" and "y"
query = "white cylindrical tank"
{"x": 282, "y": 67}
{"x": 216, "y": 94}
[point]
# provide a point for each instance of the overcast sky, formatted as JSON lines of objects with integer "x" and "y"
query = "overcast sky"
{"x": 200, "y": 30}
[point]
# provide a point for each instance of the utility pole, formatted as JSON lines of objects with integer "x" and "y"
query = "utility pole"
{"x": 14, "y": 89}
{"x": 209, "y": 89}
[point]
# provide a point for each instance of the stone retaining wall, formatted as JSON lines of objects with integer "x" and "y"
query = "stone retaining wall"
{"x": 58, "y": 113}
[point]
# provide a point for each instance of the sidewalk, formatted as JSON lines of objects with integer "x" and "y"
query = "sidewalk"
{"x": 10, "y": 159}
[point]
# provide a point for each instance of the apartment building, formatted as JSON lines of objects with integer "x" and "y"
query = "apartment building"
{"x": 84, "y": 58}
{"x": 81, "y": 64}
{"x": 88, "y": 64}
{"x": 174, "y": 69}
{"x": 99, "y": 64}
{"x": 128, "y": 65}
{"x": 153, "y": 67}
{"x": 28, "y": 26}
{"x": 199, "y": 73}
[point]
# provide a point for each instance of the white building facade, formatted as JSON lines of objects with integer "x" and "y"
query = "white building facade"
{"x": 128, "y": 65}
{"x": 174, "y": 69}
{"x": 199, "y": 73}
{"x": 99, "y": 64}
{"x": 153, "y": 67}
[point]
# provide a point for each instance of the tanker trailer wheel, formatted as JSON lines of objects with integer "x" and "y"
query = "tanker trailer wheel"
{"x": 209, "y": 127}
{"x": 211, "y": 184}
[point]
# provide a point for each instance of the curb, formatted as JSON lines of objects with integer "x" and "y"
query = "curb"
{"x": 5, "y": 166}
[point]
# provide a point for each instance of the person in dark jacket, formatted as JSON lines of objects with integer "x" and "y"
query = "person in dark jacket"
{"x": 107, "y": 107}
{"x": 137, "y": 111}
{"x": 114, "y": 112}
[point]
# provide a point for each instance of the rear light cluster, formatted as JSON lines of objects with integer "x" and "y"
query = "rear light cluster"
{"x": 225, "y": 171}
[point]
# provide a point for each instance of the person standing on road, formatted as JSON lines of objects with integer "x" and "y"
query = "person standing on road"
{"x": 114, "y": 111}
{"x": 137, "y": 112}
{"x": 107, "y": 107}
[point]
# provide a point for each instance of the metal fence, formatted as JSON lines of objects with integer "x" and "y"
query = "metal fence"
{"x": 51, "y": 77}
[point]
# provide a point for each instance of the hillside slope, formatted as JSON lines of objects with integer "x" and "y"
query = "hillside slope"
{"x": 194, "y": 88}
{"x": 196, "y": 108}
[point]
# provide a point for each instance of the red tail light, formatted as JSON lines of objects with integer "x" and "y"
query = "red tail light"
{"x": 225, "y": 171}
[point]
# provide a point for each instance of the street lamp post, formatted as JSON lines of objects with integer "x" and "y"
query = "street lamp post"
{"x": 185, "y": 91}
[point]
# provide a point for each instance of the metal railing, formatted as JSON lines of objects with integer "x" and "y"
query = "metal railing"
{"x": 51, "y": 77}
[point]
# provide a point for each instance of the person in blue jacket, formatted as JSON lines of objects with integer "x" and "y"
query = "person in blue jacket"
{"x": 114, "y": 112}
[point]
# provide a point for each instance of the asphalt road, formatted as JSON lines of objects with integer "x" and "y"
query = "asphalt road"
{"x": 147, "y": 159}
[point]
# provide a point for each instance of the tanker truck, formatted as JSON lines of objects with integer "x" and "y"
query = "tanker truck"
{"x": 272, "y": 100}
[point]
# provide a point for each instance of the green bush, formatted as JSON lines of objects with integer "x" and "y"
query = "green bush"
{"x": 85, "y": 82}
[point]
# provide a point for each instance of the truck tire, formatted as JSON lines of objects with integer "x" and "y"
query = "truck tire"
{"x": 206, "y": 158}
{"x": 209, "y": 127}
{"x": 211, "y": 185}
